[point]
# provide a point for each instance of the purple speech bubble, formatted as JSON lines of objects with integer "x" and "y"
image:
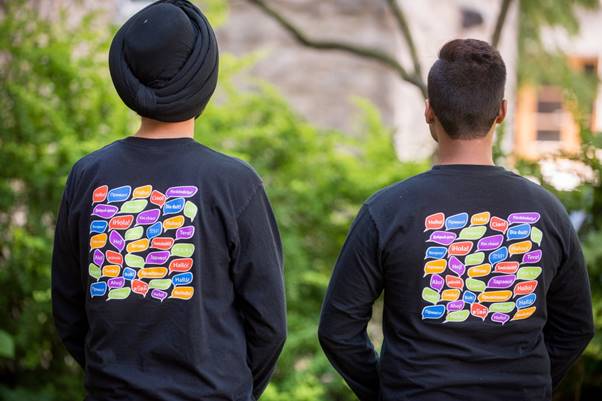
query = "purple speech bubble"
{"x": 455, "y": 305}
{"x": 117, "y": 240}
{"x": 437, "y": 282}
{"x": 116, "y": 282}
{"x": 532, "y": 257}
{"x": 157, "y": 258}
{"x": 185, "y": 232}
{"x": 148, "y": 217}
{"x": 442, "y": 237}
{"x": 181, "y": 192}
{"x": 158, "y": 294}
{"x": 98, "y": 258}
{"x": 490, "y": 243}
{"x": 500, "y": 318}
{"x": 529, "y": 217}
{"x": 105, "y": 211}
{"x": 501, "y": 281}
{"x": 456, "y": 266}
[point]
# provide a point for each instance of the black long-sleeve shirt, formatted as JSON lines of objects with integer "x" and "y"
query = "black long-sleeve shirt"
{"x": 167, "y": 274}
{"x": 486, "y": 293}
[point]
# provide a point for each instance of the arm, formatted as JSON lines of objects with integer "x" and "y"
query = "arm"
{"x": 258, "y": 281}
{"x": 68, "y": 295}
{"x": 355, "y": 285}
{"x": 569, "y": 326}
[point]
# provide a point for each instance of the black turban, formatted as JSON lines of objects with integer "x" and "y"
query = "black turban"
{"x": 163, "y": 61}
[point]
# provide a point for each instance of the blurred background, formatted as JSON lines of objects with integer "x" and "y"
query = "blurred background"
{"x": 325, "y": 100}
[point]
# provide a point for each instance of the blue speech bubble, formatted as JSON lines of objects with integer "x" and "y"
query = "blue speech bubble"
{"x": 182, "y": 279}
{"x": 526, "y": 301}
{"x": 98, "y": 226}
{"x": 469, "y": 297}
{"x": 456, "y": 221}
{"x": 435, "y": 252}
{"x": 498, "y": 255}
{"x": 520, "y": 231}
{"x": 98, "y": 289}
{"x": 154, "y": 230}
{"x": 433, "y": 311}
{"x": 129, "y": 273}
{"x": 174, "y": 206}
{"x": 119, "y": 194}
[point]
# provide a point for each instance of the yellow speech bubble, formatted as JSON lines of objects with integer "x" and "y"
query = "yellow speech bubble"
{"x": 480, "y": 270}
{"x": 173, "y": 222}
{"x": 524, "y": 313}
{"x": 98, "y": 241}
{"x": 152, "y": 272}
{"x": 450, "y": 295}
{"x": 495, "y": 296}
{"x": 138, "y": 246}
{"x": 435, "y": 266}
{"x": 142, "y": 192}
{"x": 480, "y": 219}
{"x": 520, "y": 247}
{"x": 184, "y": 293}
{"x": 111, "y": 271}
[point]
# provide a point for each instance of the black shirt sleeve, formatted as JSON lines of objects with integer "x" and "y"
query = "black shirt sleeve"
{"x": 569, "y": 326}
{"x": 356, "y": 283}
{"x": 68, "y": 295}
{"x": 259, "y": 285}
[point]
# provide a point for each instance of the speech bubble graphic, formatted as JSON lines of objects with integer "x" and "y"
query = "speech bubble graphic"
{"x": 479, "y": 219}
{"x": 173, "y": 223}
{"x": 119, "y": 293}
{"x": 526, "y": 301}
{"x": 185, "y": 232}
{"x": 181, "y": 192}
{"x": 158, "y": 198}
{"x": 111, "y": 270}
{"x": 138, "y": 246}
{"x": 434, "y": 221}
{"x": 435, "y": 252}
{"x": 442, "y": 237}
{"x": 501, "y": 282}
{"x": 524, "y": 313}
{"x": 495, "y": 296}
{"x": 174, "y": 206}
{"x": 501, "y": 307}
{"x": 460, "y": 248}
{"x": 117, "y": 240}
{"x": 163, "y": 243}
{"x": 431, "y": 267}
{"x": 94, "y": 271}
{"x": 436, "y": 283}
{"x": 490, "y": 243}
{"x": 105, "y": 211}
{"x": 536, "y": 235}
{"x": 119, "y": 194}
{"x": 528, "y": 273}
{"x": 524, "y": 288}
{"x": 479, "y": 310}
{"x": 520, "y": 231}
{"x": 160, "y": 283}
{"x": 142, "y": 192}
{"x": 100, "y": 194}
{"x": 454, "y": 282}
{"x": 158, "y": 294}
{"x": 498, "y": 255}
{"x": 500, "y": 318}
{"x": 190, "y": 210}
{"x": 479, "y": 270}
{"x": 98, "y": 257}
{"x": 129, "y": 273}
{"x": 472, "y": 232}
{"x": 520, "y": 247}
{"x": 121, "y": 222}
{"x": 134, "y": 233}
{"x": 528, "y": 217}
{"x": 116, "y": 282}
{"x": 98, "y": 241}
{"x": 469, "y": 297}
{"x": 456, "y": 266}
{"x": 182, "y": 292}
{"x": 114, "y": 258}
{"x": 157, "y": 258}
{"x": 98, "y": 289}
{"x": 455, "y": 305}
{"x": 182, "y": 250}
{"x": 475, "y": 285}
{"x": 474, "y": 259}
{"x": 430, "y": 295}
{"x": 457, "y": 316}
{"x": 133, "y": 206}
{"x": 450, "y": 295}
{"x": 532, "y": 257}
{"x": 506, "y": 267}
{"x": 98, "y": 226}
{"x": 498, "y": 224}
{"x": 139, "y": 287}
{"x": 456, "y": 221}
{"x": 155, "y": 230}
{"x": 134, "y": 260}
{"x": 152, "y": 272}
{"x": 148, "y": 217}
{"x": 433, "y": 311}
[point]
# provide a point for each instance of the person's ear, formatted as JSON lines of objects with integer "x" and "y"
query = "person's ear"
{"x": 502, "y": 113}
{"x": 429, "y": 114}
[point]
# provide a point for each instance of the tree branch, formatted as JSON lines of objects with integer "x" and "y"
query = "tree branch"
{"x": 404, "y": 28}
{"x": 499, "y": 24}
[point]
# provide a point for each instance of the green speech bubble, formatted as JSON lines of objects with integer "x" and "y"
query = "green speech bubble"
{"x": 161, "y": 284}
{"x": 134, "y": 260}
{"x": 182, "y": 250}
{"x": 502, "y": 307}
{"x": 430, "y": 295}
{"x": 134, "y": 233}
{"x": 474, "y": 259}
{"x": 119, "y": 293}
{"x": 190, "y": 210}
{"x": 528, "y": 273}
{"x": 457, "y": 316}
{"x": 475, "y": 285}
{"x": 536, "y": 235}
{"x": 94, "y": 271}
{"x": 472, "y": 233}
{"x": 133, "y": 206}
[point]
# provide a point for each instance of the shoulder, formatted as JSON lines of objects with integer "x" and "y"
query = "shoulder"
{"x": 230, "y": 167}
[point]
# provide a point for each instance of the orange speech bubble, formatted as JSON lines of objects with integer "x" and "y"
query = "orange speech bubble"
{"x": 152, "y": 272}
{"x": 180, "y": 265}
{"x": 114, "y": 258}
{"x": 495, "y": 296}
{"x": 121, "y": 222}
{"x": 173, "y": 222}
{"x": 434, "y": 221}
{"x": 158, "y": 198}
{"x": 111, "y": 271}
{"x": 142, "y": 192}
{"x": 435, "y": 266}
{"x": 454, "y": 282}
{"x": 506, "y": 267}
{"x": 164, "y": 243}
{"x": 498, "y": 224}
{"x": 98, "y": 241}
{"x": 100, "y": 194}
{"x": 520, "y": 247}
{"x": 524, "y": 313}
{"x": 184, "y": 293}
{"x": 480, "y": 219}
{"x": 138, "y": 246}
{"x": 460, "y": 248}
{"x": 479, "y": 310}
{"x": 450, "y": 295}
{"x": 139, "y": 287}
{"x": 480, "y": 270}
{"x": 525, "y": 287}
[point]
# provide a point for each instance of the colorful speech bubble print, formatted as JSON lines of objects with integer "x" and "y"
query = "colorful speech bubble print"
{"x": 474, "y": 259}
{"x": 111, "y": 270}
{"x": 434, "y": 221}
{"x": 133, "y": 206}
{"x": 450, "y": 295}
{"x": 526, "y": 287}
{"x": 94, "y": 271}
{"x": 182, "y": 250}
{"x": 479, "y": 310}
{"x": 430, "y": 267}
{"x": 116, "y": 282}
{"x": 98, "y": 257}
{"x": 498, "y": 255}
{"x": 152, "y": 272}
{"x": 436, "y": 283}
{"x": 121, "y": 222}
{"x": 442, "y": 237}
{"x": 142, "y": 192}
{"x": 502, "y": 307}
{"x": 433, "y": 311}
{"x": 501, "y": 282}
{"x": 173, "y": 223}
{"x": 536, "y": 235}
{"x": 532, "y": 257}
{"x": 129, "y": 273}
{"x": 520, "y": 247}
{"x": 469, "y": 297}
{"x": 530, "y": 218}
{"x": 119, "y": 194}
{"x": 164, "y": 243}
{"x": 435, "y": 252}
{"x": 98, "y": 241}
{"x": 98, "y": 289}
{"x": 457, "y": 316}
{"x": 119, "y": 293}
{"x": 473, "y": 232}
{"x": 181, "y": 192}
{"x": 190, "y": 210}
{"x": 98, "y": 226}
{"x": 100, "y": 194}
{"x": 430, "y": 295}
{"x": 520, "y": 231}
{"x": 506, "y": 267}
{"x": 500, "y": 318}
{"x": 524, "y": 313}
{"x": 480, "y": 219}
{"x": 490, "y": 243}
{"x": 498, "y": 224}
{"x": 114, "y": 258}
{"x": 132, "y": 260}
{"x": 455, "y": 305}
{"x": 185, "y": 232}
{"x": 528, "y": 273}
{"x": 134, "y": 233}
{"x": 456, "y": 266}
{"x": 105, "y": 211}
{"x": 479, "y": 270}
{"x": 148, "y": 217}
{"x": 475, "y": 285}
{"x": 526, "y": 301}
{"x": 185, "y": 264}
{"x": 160, "y": 283}
{"x": 184, "y": 293}
{"x": 117, "y": 240}
{"x": 158, "y": 198}
{"x": 495, "y": 296}
{"x": 139, "y": 287}
{"x": 456, "y": 221}
{"x": 454, "y": 282}
{"x": 157, "y": 258}
{"x": 174, "y": 206}
{"x": 460, "y": 248}
{"x": 158, "y": 294}
{"x": 155, "y": 230}
{"x": 138, "y": 246}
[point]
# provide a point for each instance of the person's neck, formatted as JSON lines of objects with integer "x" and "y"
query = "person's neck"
{"x": 460, "y": 151}
{"x": 153, "y": 129}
